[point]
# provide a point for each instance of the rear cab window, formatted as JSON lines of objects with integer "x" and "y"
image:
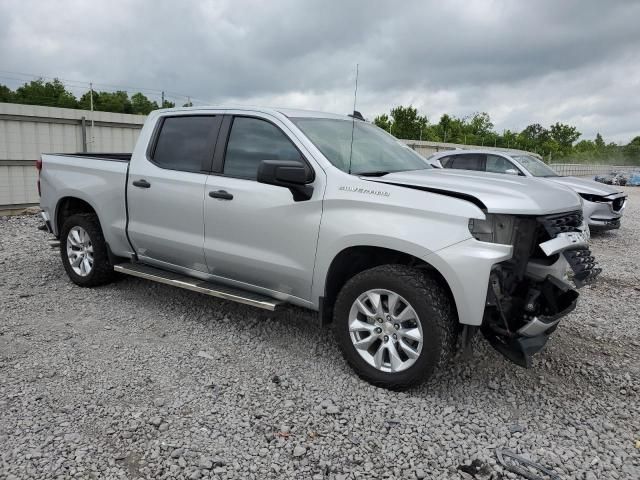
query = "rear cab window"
{"x": 186, "y": 143}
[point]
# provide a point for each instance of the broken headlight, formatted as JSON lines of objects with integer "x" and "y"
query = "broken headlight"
{"x": 493, "y": 229}
{"x": 591, "y": 198}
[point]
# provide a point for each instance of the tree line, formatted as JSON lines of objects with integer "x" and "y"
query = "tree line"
{"x": 55, "y": 94}
{"x": 558, "y": 142}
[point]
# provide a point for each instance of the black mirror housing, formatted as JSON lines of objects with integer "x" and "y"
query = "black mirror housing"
{"x": 289, "y": 174}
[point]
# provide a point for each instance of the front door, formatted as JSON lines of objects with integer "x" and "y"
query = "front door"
{"x": 256, "y": 234}
{"x": 166, "y": 192}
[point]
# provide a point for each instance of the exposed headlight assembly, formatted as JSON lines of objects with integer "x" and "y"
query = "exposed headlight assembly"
{"x": 494, "y": 229}
{"x": 592, "y": 198}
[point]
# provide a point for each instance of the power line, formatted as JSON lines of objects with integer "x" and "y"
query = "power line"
{"x": 104, "y": 86}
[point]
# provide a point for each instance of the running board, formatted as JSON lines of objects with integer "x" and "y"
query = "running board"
{"x": 197, "y": 285}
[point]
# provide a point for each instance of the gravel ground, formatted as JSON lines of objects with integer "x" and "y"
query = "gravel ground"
{"x": 137, "y": 379}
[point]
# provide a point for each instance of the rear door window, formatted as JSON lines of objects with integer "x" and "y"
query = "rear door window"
{"x": 469, "y": 161}
{"x": 186, "y": 142}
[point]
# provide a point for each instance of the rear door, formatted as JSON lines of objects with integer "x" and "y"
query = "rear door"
{"x": 257, "y": 234}
{"x": 166, "y": 191}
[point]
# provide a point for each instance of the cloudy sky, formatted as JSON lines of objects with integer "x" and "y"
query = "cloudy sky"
{"x": 574, "y": 61}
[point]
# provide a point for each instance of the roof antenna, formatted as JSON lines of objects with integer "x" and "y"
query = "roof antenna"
{"x": 355, "y": 115}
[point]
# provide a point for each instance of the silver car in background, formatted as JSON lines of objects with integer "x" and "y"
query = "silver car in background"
{"x": 603, "y": 205}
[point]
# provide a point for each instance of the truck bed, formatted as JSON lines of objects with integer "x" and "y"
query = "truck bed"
{"x": 99, "y": 179}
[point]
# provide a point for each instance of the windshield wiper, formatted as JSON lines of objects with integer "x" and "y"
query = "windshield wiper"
{"x": 375, "y": 173}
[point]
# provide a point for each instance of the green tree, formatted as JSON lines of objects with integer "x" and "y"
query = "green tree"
{"x": 52, "y": 94}
{"x": 168, "y": 104}
{"x": 117, "y": 102}
{"x": 188, "y": 104}
{"x": 478, "y": 124}
{"x": 407, "y": 123}
{"x": 6, "y": 94}
{"x": 632, "y": 149}
{"x": 446, "y": 128}
{"x": 585, "y": 146}
{"x": 383, "y": 121}
{"x": 564, "y": 135}
{"x": 141, "y": 105}
{"x": 599, "y": 142}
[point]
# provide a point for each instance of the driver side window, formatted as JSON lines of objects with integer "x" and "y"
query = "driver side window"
{"x": 251, "y": 141}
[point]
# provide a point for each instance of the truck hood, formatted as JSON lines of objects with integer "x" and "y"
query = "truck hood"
{"x": 499, "y": 193}
{"x": 582, "y": 185}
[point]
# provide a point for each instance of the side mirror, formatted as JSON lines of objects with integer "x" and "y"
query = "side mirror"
{"x": 289, "y": 174}
{"x": 512, "y": 171}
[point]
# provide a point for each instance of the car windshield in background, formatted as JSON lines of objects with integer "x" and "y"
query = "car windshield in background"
{"x": 375, "y": 152}
{"x": 535, "y": 167}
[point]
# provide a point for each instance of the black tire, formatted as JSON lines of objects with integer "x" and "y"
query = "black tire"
{"x": 102, "y": 271}
{"x": 433, "y": 306}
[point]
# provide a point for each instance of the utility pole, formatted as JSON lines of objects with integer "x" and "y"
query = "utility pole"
{"x": 91, "y": 104}
{"x": 162, "y": 104}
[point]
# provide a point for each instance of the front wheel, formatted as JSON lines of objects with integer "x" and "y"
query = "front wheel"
{"x": 395, "y": 325}
{"x": 84, "y": 251}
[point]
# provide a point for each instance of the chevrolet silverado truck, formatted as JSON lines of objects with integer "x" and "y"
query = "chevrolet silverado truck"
{"x": 327, "y": 212}
{"x": 602, "y": 205}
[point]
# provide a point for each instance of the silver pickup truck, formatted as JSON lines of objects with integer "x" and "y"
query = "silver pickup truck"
{"x": 327, "y": 212}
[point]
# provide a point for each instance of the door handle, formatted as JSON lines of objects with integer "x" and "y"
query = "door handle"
{"x": 221, "y": 194}
{"x": 141, "y": 183}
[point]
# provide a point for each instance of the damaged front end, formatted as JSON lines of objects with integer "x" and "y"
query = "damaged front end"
{"x": 529, "y": 294}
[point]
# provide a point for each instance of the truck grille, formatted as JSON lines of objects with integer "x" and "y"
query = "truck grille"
{"x": 563, "y": 222}
{"x": 582, "y": 262}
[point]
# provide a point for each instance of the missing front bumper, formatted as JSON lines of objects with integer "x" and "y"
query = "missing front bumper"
{"x": 520, "y": 328}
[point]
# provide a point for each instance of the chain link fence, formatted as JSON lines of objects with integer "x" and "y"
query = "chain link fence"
{"x": 584, "y": 170}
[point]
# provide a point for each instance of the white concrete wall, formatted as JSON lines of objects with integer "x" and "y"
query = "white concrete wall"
{"x": 18, "y": 185}
{"x": 27, "y": 131}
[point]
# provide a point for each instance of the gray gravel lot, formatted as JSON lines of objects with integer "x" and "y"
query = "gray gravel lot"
{"x": 137, "y": 379}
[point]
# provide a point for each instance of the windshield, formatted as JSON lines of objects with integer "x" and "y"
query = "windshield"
{"x": 535, "y": 167}
{"x": 374, "y": 150}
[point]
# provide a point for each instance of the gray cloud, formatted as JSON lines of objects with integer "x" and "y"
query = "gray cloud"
{"x": 523, "y": 62}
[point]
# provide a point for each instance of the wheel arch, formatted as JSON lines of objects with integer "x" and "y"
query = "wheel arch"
{"x": 71, "y": 205}
{"x": 355, "y": 259}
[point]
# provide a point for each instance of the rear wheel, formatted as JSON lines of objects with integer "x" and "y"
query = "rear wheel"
{"x": 84, "y": 251}
{"x": 395, "y": 325}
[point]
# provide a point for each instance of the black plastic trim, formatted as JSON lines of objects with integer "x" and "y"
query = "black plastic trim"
{"x": 126, "y": 212}
{"x": 111, "y": 157}
{"x": 462, "y": 196}
{"x": 221, "y": 145}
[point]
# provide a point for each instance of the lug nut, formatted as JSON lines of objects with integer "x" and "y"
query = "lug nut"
{"x": 388, "y": 317}
{"x": 395, "y": 337}
{"x": 396, "y": 326}
{"x": 379, "y": 319}
{"x": 378, "y": 330}
{"x": 386, "y": 338}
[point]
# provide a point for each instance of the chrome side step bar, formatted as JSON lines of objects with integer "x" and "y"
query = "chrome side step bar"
{"x": 197, "y": 285}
